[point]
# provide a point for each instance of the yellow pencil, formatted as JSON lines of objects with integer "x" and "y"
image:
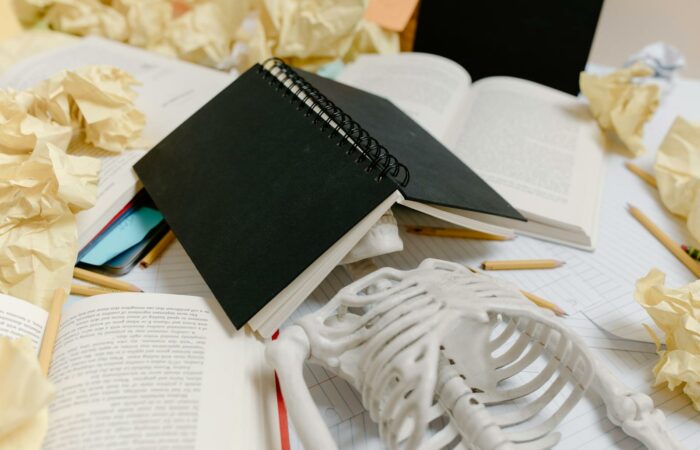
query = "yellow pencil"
{"x": 51, "y": 330}
{"x": 455, "y": 233}
{"x": 522, "y": 264}
{"x": 537, "y": 300}
{"x": 669, "y": 243}
{"x": 158, "y": 249}
{"x": 641, "y": 173}
{"x": 542, "y": 303}
{"x": 88, "y": 291}
{"x": 104, "y": 280}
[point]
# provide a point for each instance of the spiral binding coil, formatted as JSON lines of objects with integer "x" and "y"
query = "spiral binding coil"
{"x": 341, "y": 126}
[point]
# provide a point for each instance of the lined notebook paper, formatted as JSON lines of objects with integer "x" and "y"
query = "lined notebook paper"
{"x": 587, "y": 426}
{"x": 627, "y": 251}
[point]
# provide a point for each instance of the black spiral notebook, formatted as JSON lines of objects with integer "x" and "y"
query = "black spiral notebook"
{"x": 270, "y": 184}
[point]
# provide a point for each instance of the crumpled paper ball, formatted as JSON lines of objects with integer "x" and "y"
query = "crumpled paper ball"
{"x": 94, "y": 101}
{"x": 196, "y": 31}
{"x": 664, "y": 59}
{"x": 222, "y": 33}
{"x": 24, "y": 396}
{"x": 314, "y": 28}
{"x": 105, "y": 104}
{"x": 677, "y": 172}
{"x": 39, "y": 195}
{"x": 309, "y": 34}
{"x": 21, "y": 129}
{"x": 42, "y": 186}
{"x": 677, "y": 313}
{"x": 620, "y": 104}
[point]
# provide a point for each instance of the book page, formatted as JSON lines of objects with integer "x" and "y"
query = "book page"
{"x": 536, "y": 146}
{"x": 20, "y": 318}
{"x": 169, "y": 93}
{"x": 432, "y": 90}
{"x": 146, "y": 370}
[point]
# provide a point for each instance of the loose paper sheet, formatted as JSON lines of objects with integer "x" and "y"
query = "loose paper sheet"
{"x": 391, "y": 14}
{"x": 41, "y": 185}
{"x": 24, "y": 395}
{"x": 620, "y": 105}
{"x": 676, "y": 312}
{"x": 677, "y": 172}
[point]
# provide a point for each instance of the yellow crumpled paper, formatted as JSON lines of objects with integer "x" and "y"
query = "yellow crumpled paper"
{"x": 196, "y": 31}
{"x": 677, "y": 313}
{"x": 309, "y": 34}
{"x": 24, "y": 396}
{"x": 620, "y": 105}
{"x": 306, "y": 33}
{"x": 41, "y": 185}
{"x": 314, "y": 28}
{"x": 677, "y": 172}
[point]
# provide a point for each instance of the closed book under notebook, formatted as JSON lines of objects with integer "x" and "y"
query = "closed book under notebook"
{"x": 273, "y": 181}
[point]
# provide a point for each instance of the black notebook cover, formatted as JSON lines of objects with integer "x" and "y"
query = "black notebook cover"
{"x": 255, "y": 191}
{"x": 437, "y": 175}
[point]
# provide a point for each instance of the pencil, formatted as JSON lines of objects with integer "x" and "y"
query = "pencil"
{"x": 88, "y": 291}
{"x": 51, "y": 330}
{"x": 537, "y": 300}
{"x": 522, "y": 264}
{"x": 157, "y": 249}
{"x": 641, "y": 173}
{"x": 455, "y": 233}
{"x": 104, "y": 280}
{"x": 662, "y": 237}
{"x": 542, "y": 303}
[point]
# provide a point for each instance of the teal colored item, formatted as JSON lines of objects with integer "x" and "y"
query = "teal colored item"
{"x": 331, "y": 70}
{"x": 132, "y": 230}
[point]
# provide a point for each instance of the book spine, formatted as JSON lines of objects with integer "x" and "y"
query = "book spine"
{"x": 340, "y": 126}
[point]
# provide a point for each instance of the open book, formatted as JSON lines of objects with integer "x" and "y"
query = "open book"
{"x": 535, "y": 145}
{"x": 170, "y": 92}
{"x": 152, "y": 370}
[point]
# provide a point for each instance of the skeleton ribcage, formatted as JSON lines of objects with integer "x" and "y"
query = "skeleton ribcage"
{"x": 443, "y": 358}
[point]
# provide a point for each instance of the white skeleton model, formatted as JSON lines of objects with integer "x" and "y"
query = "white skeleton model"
{"x": 442, "y": 345}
